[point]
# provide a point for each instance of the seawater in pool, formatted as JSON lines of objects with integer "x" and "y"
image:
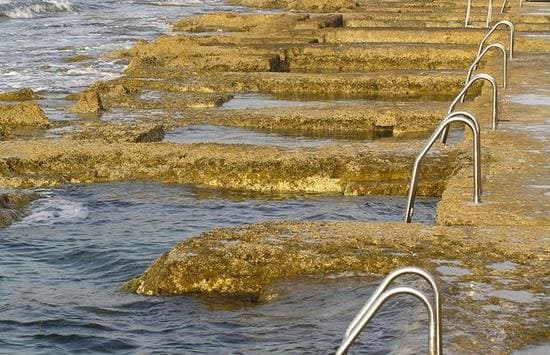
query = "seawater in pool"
{"x": 62, "y": 265}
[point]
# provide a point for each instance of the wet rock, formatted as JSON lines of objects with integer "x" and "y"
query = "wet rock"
{"x": 515, "y": 187}
{"x": 119, "y": 132}
{"x": 13, "y": 204}
{"x": 245, "y": 260}
{"x": 89, "y": 102}
{"x": 76, "y": 58}
{"x": 352, "y": 169}
{"x": 24, "y": 94}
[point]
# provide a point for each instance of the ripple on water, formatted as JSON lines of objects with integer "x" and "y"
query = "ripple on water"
{"x": 542, "y": 349}
{"x": 44, "y": 32}
{"x": 531, "y": 99}
{"x": 62, "y": 265}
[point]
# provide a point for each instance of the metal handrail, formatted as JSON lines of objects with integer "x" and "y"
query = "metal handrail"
{"x": 489, "y": 13}
{"x": 471, "y": 122}
{"x": 384, "y": 285}
{"x": 462, "y": 94}
{"x": 504, "y": 63}
{"x": 492, "y": 30}
{"x": 379, "y": 302}
{"x": 504, "y": 6}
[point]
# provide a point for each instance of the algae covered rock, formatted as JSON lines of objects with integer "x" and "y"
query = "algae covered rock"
{"x": 313, "y": 5}
{"x": 12, "y": 205}
{"x": 242, "y": 261}
{"x": 24, "y": 114}
{"x": 76, "y": 58}
{"x": 245, "y": 260}
{"x": 120, "y": 132}
{"x": 264, "y": 23}
{"x": 351, "y": 169}
{"x": 90, "y": 102}
{"x": 24, "y": 94}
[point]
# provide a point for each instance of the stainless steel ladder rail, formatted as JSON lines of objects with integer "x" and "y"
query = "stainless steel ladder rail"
{"x": 492, "y": 30}
{"x": 472, "y": 123}
{"x": 476, "y": 61}
{"x": 380, "y": 301}
{"x": 489, "y": 13}
{"x": 354, "y": 325}
{"x": 382, "y": 294}
{"x": 462, "y": 94}
{"x": 504, "y": 6}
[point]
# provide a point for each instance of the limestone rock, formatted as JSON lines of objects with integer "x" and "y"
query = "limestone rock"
{"x": 24, "y": 94}
{"x": 24, "y": 114}
{"x": 90, "y": 102}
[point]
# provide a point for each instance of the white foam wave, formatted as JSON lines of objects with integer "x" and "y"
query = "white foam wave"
{"x": 52, "y": 210}
{"x": 33, "y": 8}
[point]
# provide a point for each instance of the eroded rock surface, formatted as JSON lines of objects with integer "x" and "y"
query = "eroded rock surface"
{"x": 23, "y": 114}
{"x": 13, "y": 204}
{"x": 351, "y": 170}
{"x": 24, "y": 94}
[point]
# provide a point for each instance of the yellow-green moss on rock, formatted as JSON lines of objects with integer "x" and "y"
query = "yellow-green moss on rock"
{"x": 312, "y": 5}
{"x": 24, "y": 94}
{"x": 23, "y": 114}
{"x": 352, "y": 169}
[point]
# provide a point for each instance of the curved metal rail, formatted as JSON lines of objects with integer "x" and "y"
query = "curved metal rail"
{"x": 492, "y": 30}
{"x": 489, "y": 13}
{"x": 462, "y": 94}
{"x": 504, "y": 63}
{"x": 471, "y": 122}
{"x": 379, "y": 302}
{"x": 385, "y": 284}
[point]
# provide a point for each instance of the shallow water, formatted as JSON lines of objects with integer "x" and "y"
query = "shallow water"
{"x": 229, "y": 135}
{"x": 60, "y": 268}
{"x": 37, "y": 35}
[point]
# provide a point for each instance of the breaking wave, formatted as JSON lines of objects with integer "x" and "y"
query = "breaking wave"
{"x": 53, "y": 210}
{"x": 33, "y": 8}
